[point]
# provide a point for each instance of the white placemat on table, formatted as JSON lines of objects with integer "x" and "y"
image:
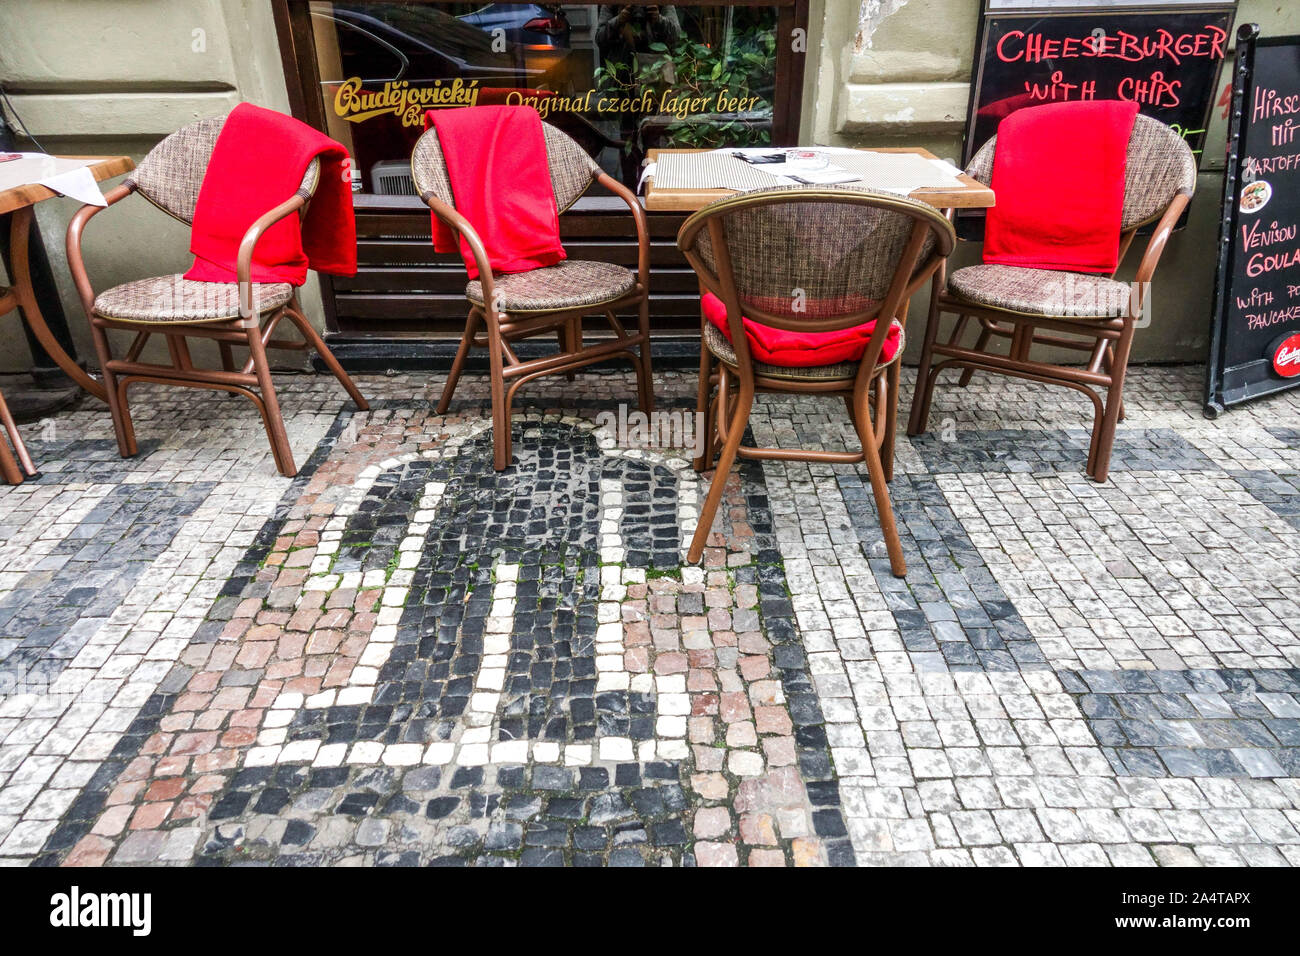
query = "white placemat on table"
{"x": 899, "y": 173}
{"x": 69, "y": 177}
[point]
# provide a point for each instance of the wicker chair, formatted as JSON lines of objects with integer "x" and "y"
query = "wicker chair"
{"x": 553, "y": 299}
{"x": 1087, "y": 313}
{"x": 241, "y": 313}
{"x": 812, "y": 260}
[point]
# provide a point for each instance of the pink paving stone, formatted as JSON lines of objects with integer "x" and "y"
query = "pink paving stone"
{"x": 636, "y": 660}
{"x": 189, "y": 807}
{"x": 311, "y": 601}
{"x": 307, "y": 686}
{"x": 264, "y": 632}
{"x": 291, "y": 645}
{"x": 223, "y": 655}
{"x": 635, "y": 592}
{"x": 171, "y": 766}
{"x": 231, "y": 698}
{"x": 209, "y": 783}
{"x": 756, "y": 829}
{"x": 700, "y": 730}
{"x": 113, "y": 820}
{"x": 702, "y": 657}
{"x": 220, "y": 759}
{"x": 338, "y": 673}
{"x": 271, "y": 616}
{"x": 157, "y": 744}
{"x": 211, "y": 719}
{"x": 741, "y": 734}
{"x": 141, "y": 768}
{"x": 719, "y": 620}
{"x": 236, "y": 628}
{"x": 636, "y": 632}
{"x": 247, "y": 718}
{"x": 783, "y": 788}
{"x": 695, "y": 622}
{"x": 754, "y": 667}
{"x": 716, "y": 854}
{"x": 671, "y": 663}
{"x": 316, "y": 666}
{"x": 766, "y": 858}
{"x": 174, "y": 722}
{"x": 701, "y": 680}
{"x": 772, "y": 720}
{"x": 168, "y": 789}
{"x": 191, "y": 701}
{"x": 733, "y": 706}
{"x": 710, "y": 758}
{"x": 753, "y": 642}
{"x": 195, "y": 743}
{"x": 724, "y": 638}
{"x": 354, "y": 643}
{"x": 126, "y": 792}
{"x": 255, "y": 654}
{"x": 710, "y": 786}
{"x": 342, "y": 599}
{"x": 717, "y": 597}
{"x": 324, "y": 641}
{"x": 766, "y": 692}
{"x": 90, "y": 850}
{"x": 806, "y": 852}
{"x": 704, "y": 704}
{"x": 239, "y": 737}
{"x": 283, "y": 670}
{"x": 748, "y": 795}
{"x": 779, "y": 751}
{"x": 248, "y": 607}
{"x": 711, "y": 822}
{"x": 335, "y": 618}
{"x": 266, "y": 693}
{"x": 291, "y": 578}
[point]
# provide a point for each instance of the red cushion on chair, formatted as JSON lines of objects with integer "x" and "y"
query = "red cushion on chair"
{"x": 801, "y": 349}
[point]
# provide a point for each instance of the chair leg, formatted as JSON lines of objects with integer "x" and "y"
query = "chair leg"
{"x": 892, "y": 376}
{"x": 315, "y": 341}
{"x": 15, "y": 439}
{"x": 645, "y": 371}
{"x": 876, "y": 472}
{"x": 458, "y": 363}
{"x": 924, "y": 376}
{"x": 1114, "y": 402}
{"x": 1107, "y": 363}
{"x": 271, "y": 417}
{"x": 706, "y": 441}
{"x": 227, "y": 356}
{"x": 118, "y": 408}
{"x": 735, "y": 433}
{"x": 568, "y": 346}
{"x": 8, "y": 466}
{"x": 500, "y": 409}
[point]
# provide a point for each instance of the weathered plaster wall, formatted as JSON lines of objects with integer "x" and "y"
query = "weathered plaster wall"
{"x": 94, "y": 77}
{"x": 896, "y": 72}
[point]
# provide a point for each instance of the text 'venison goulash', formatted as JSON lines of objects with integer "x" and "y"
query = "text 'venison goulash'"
{"x": 1020, "y": 46}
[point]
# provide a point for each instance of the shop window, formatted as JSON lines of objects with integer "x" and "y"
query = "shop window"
{"x": 621, "y": 79}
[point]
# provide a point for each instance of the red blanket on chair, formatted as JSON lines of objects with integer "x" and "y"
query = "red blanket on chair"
{"x": 501, "y": 180}
{"x": 801, "y": 349}
{"x": 1058, "y": 174}
{"x": 258, "y": 162}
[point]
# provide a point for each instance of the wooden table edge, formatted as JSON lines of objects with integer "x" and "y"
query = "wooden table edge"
{"x": 104, "y": 167}
{"x": 973, "y": 195}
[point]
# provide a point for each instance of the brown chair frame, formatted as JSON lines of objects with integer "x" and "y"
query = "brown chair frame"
{"x": 497, "y": 329}
{"x": 251, "y": 329}
{"x": 874, "y": 388}
{"x": 1108, "y": 343}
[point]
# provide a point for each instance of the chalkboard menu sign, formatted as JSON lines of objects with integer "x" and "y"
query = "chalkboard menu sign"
{"x": 1255, "y": 339}
{"x": 1164, "y": 56}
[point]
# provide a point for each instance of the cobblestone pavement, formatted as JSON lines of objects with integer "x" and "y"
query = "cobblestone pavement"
{"x": 402, "y": 657}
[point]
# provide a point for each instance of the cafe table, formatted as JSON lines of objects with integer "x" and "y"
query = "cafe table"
{"x": 19, "y": 202}
{"x": 971, "y": 194}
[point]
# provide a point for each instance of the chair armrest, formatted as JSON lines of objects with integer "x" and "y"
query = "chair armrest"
{"x": 642, "y": 230}
{"x": 244, "y": 259}
{"x": 76, "y": 227}
{"x": 1155, "y": 248}
{"x": 461, "y": 226}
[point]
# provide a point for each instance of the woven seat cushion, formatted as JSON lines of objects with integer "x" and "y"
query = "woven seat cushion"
{"x": 565, "y": 285}
{"x": 177, "y": 299}
{"x": 720, "y": 346}
{"x": 1070, "y": 295}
